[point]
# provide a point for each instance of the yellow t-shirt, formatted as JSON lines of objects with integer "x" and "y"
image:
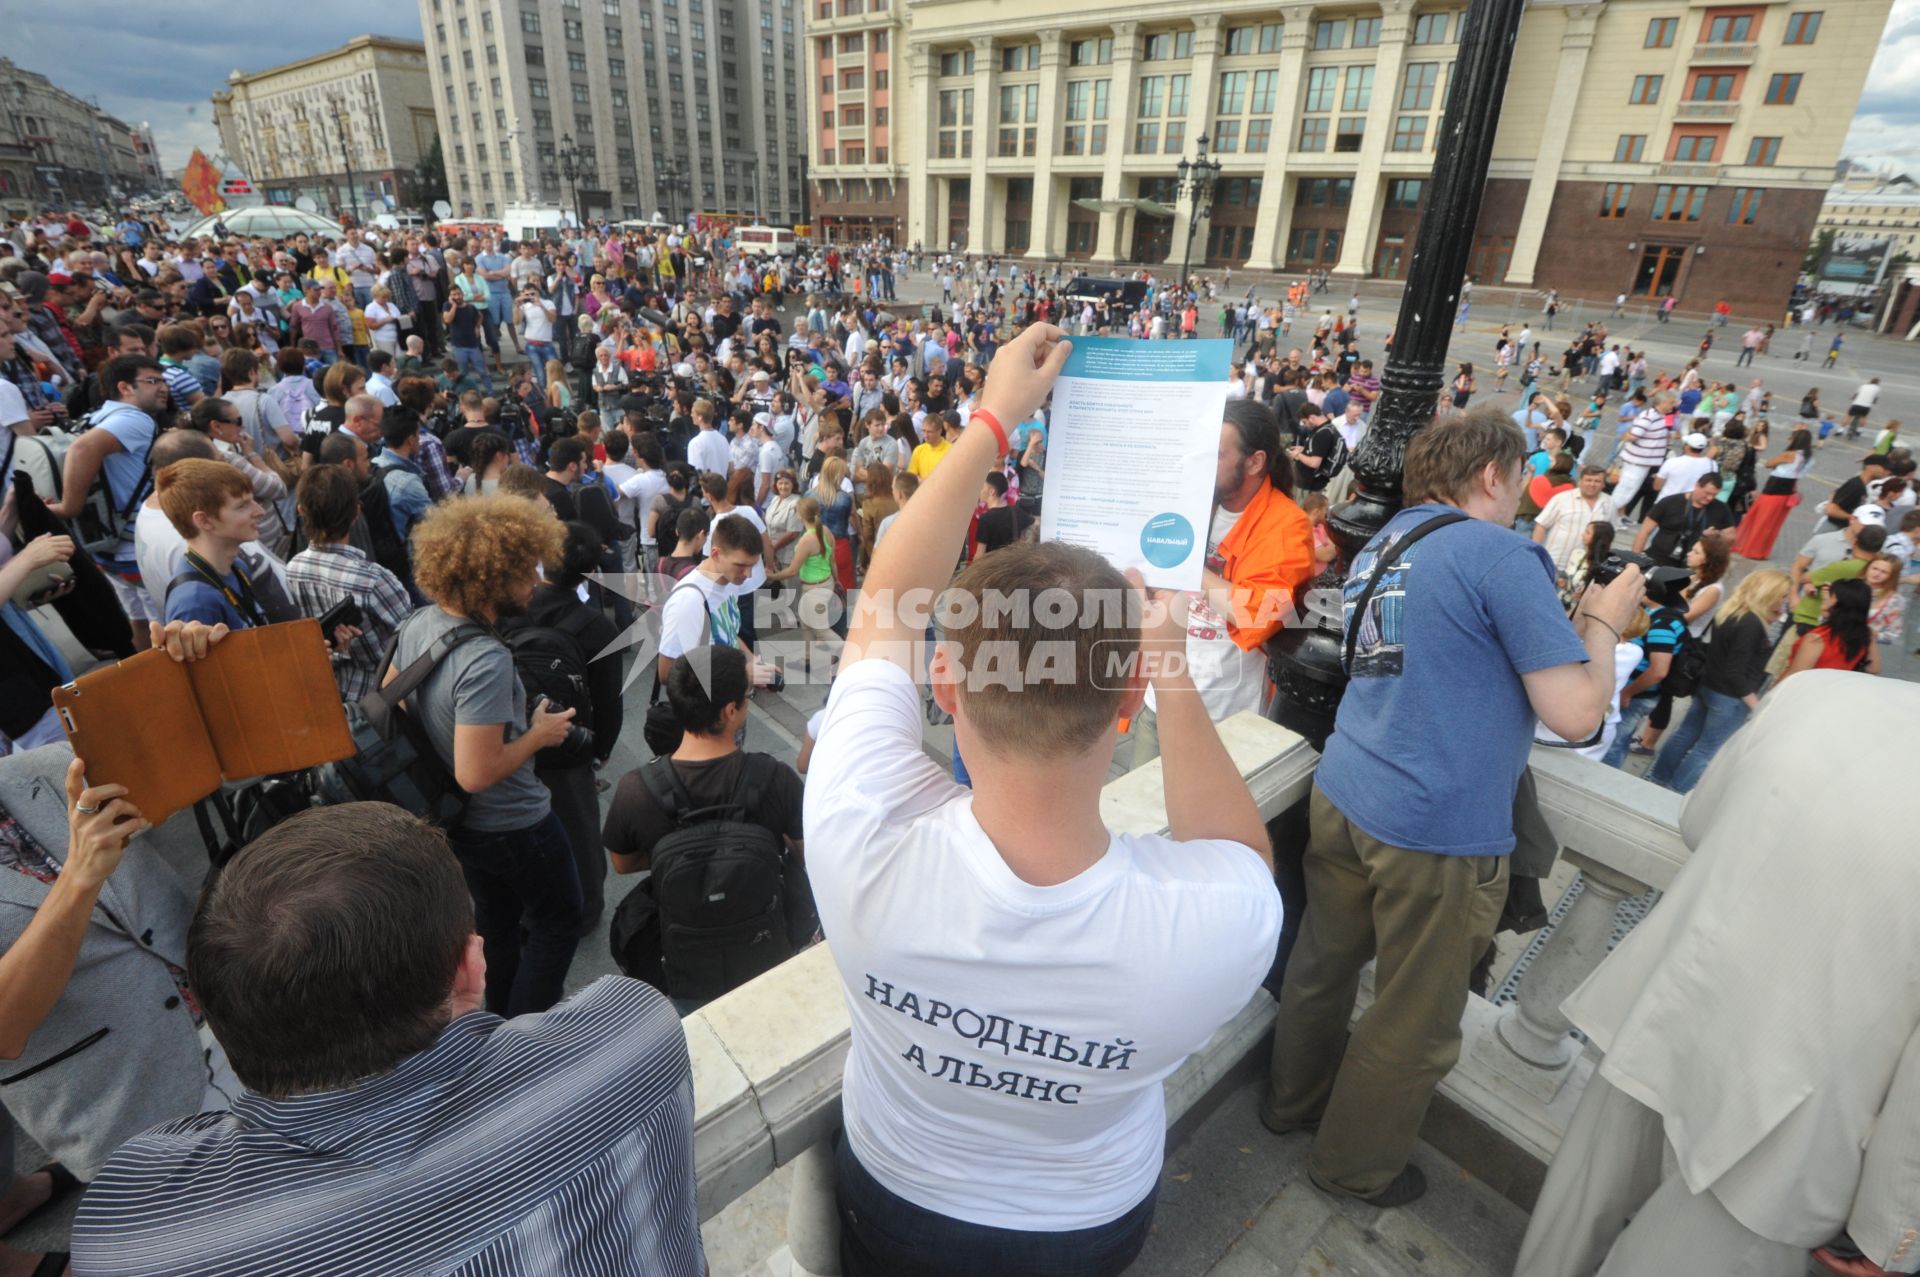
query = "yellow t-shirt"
{"x": 926, "y": 456}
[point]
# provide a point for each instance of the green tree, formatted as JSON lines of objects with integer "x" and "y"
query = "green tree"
{"x": 1822, "y": 243}
{"x": 430, "y": 176}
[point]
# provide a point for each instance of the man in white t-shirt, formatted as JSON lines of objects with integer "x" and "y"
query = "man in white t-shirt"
{"x": 1021, "y": 980}
{"x": 645, "y": 479}
{"x": 769, "y": 457}
{"x": 707, "y": 451}
{"x": 1679, "y": 474}
{"x": 702, "y": 610}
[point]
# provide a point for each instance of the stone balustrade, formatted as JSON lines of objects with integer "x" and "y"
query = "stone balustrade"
{"x": 768, "y": 1057}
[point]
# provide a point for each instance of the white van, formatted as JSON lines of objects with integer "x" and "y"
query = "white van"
{"x": 766, "y": 241}
{"x": 528, "y": 221}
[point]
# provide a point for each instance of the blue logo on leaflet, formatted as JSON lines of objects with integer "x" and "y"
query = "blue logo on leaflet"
{"x": 1166, "y": 540}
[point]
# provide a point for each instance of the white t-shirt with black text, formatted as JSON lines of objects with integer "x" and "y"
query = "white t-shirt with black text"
{"x": 1009, "y": 1040}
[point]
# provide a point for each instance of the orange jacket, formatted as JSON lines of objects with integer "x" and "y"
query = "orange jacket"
{"x": 1269, "y": 555}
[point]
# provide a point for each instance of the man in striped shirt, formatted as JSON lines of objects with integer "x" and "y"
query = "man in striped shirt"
{"x": 1643, "y": 451}
{"x": 389, "y": 1124}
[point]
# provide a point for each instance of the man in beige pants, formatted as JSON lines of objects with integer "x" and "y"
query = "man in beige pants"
{"x": 1761, "y": 1085}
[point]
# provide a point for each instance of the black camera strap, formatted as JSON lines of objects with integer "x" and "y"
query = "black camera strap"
{"x": 1395, "y": 548}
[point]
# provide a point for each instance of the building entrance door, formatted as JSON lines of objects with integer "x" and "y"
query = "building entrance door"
{"x": 1390, "y": 258}
{"x": 1659, "y": 269}
{"x": 1152, "y": 238}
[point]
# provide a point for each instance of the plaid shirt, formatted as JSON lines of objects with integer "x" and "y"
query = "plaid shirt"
{"x": 319, "y": 576}
{"x": 436, "y": 469}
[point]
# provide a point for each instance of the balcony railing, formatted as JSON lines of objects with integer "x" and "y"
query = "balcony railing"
{"x": 768, "y": 1057}
{"x": 1691, "y": 170}
{"x": 1725, "y": 55}
{"x": 1707, "y": 111}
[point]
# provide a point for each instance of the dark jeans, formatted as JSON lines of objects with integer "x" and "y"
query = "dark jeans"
{"x": 523, "y": 877}
{"x": 882, "y": 1235}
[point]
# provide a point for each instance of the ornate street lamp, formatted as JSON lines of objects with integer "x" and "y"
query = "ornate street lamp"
{"x": 1305, "y": 660}
{"x": 1196, "y": 186}
{"x": 570, "y": 168}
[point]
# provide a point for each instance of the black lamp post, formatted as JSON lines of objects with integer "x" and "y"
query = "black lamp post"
{"x": 570, "y": 168}
{"x": 674, "y": 176}
{"x": 346, "y": 156}
{"x": 1305, "y": 660}
{"x": 1196, "y": 185}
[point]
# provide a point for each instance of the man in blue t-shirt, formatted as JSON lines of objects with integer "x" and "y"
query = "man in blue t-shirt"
{"x": 1458, "y": 648}
{"x": 212, "y": 505}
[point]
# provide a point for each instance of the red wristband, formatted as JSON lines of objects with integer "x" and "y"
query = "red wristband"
{"x": 993, "y": 424}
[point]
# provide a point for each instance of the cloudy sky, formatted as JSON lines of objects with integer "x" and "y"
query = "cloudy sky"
{"x": 163, "y": 72}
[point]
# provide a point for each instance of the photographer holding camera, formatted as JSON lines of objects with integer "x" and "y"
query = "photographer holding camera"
{"x": 477, "y": 561}
{"x": 1455, "y": 632}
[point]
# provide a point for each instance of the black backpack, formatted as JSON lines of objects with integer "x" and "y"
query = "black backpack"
{"x": 1688, "y": 669}
{"x": 394, "y": 759}
{"x": 725, "y": 901}
{"x": 389, "y": 550}
{"x": 552, "y": 664}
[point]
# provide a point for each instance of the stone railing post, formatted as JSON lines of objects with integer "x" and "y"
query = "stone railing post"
{"x": 813, "y": 1222}
{"x": 1534, "y": 1037}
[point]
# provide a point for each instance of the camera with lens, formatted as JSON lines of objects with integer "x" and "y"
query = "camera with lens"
{"x": 1615, "y": 563}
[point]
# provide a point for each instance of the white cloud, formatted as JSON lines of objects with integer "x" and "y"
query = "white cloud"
{"x": 1887, "y": 128}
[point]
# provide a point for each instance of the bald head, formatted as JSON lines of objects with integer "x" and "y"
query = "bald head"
{"x": 181, "y": 445}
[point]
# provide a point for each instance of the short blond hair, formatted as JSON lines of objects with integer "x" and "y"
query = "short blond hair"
{"x": 469, "y": 553}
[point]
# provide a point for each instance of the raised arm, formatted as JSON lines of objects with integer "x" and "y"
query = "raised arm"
{"x": 915, "y": 562}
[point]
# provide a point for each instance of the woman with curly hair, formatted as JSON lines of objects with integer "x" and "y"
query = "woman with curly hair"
{"x": 477, "y": 560}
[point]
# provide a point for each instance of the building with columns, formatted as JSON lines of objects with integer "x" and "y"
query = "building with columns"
{"x": 347, "y": 127}
{"x": 1645, "y": 146}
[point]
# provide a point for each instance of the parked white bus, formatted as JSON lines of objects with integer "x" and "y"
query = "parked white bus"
{"x": 766, "y": 241}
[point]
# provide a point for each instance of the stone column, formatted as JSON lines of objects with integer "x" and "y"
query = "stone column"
{"x": 923, "y": 210}
{"x": 1122, "y": 99}
{"x": 1276, "y": 202}
{"x": 986, "y": 118}
{"x": 1575, "y": 44}
{"x": 1202, "y": 86}
{"x": 1532, "y": 1044}
{"x": 813, "y": 1221}
{"x": 1042, "y": 242}
{"x": 1363, "y": 214}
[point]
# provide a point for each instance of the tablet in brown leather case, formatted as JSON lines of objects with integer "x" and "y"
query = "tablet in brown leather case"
{"x": 262, "y": 702}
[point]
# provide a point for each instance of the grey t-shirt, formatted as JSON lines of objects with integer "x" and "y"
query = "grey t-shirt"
{"x": 475, "y": 684}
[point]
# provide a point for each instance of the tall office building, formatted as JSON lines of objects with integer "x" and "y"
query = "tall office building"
{"x": 1645, "y": 146}
{"x": 668, "y": 106}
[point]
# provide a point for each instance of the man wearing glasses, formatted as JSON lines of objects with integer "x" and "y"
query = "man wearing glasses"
{"x": 116, "y": 447}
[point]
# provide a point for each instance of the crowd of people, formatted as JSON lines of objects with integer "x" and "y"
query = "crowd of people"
{"x": 474, "y": 462}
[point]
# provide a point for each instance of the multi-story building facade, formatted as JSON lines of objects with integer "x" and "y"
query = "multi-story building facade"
{"x": 1645, "y": 146}
{"x": 860, "y": 188}
{"x": 66, "y": 147}
{"x": 669, "y": 106}
{"x": 347, "y": 127}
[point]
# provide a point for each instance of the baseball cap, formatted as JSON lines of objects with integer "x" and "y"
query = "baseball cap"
{"x": 1696, "y": 441}
{"x": 59, "y": 279}
{"x": 1870, "y": 516}
{"x": 683, "y": 370}
{"x": 760, "y": 374}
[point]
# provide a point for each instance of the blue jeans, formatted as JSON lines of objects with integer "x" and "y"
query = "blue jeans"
{"x": 1712, "y": 719}
{"x": 539, "y": 352}
{"x": 883, "y": 1235}
{"x": 1631, "y": 719}
{"x": 499, "y": 313}
{"x": 523, "y": 877}
{"x": 472, "y": 359}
